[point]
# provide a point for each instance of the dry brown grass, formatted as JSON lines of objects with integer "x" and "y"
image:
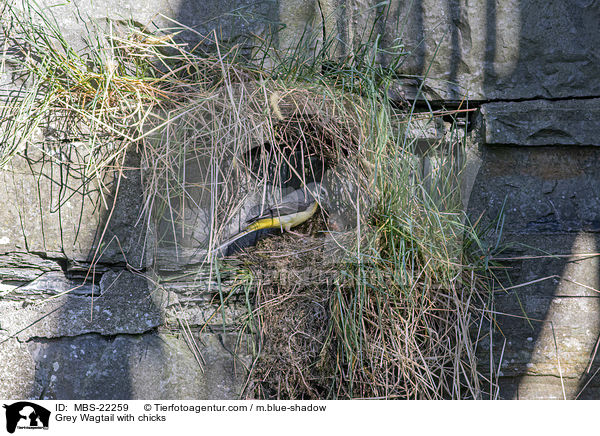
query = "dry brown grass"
{"x": 322, "y": 334}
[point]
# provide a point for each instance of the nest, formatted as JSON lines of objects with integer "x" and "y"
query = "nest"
{"x": 375, "y": 299}
{"x": 292, "y": 308}
{"x": 322, "y": 335}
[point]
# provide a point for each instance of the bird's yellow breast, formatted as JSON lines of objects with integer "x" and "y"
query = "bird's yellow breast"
{"x": 265, "y": 223}
{"x": 285, "y": 221}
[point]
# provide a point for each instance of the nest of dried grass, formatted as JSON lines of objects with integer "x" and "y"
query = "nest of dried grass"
{"x": 322, "y": 334}
{"x": 245, "y": 143}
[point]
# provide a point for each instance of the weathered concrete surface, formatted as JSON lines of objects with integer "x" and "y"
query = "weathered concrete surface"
{"x": 542, "y": 122}
{"x": 17, "y": 369}
{"x": 110, "y": 336}
{"x": 118, "y": 345}
{"x": 49, "y": 211}
{"x": 551, "y": 326}
{"x": 125, "y": 305}
{"x": 540, "y": 190}
{"x": 153, "y": 366}
{"x": 508, "y": 50}
{"x": 549, "y": 316}
{"x": 230, "y": 18}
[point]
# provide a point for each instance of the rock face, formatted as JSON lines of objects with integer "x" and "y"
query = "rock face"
{"x": 502, "y": 50}
{"x": 231, "y": 18}
{"x": 549, "y": 320}
{"x": 48, "y": 210}
{"x": 531, "y": 65}
{"x": 482, "y": 50}
{"x": 144, "y": 366}
{"x": 547, "y": 199}
{"x": 72, "y": 331}
{"x": 542, "y": 122}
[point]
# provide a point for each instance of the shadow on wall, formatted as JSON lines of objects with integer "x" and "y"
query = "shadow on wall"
{"x": 86, "y": 340}
{"x": 500, "y": 50}
{"x": 550, "y": 208}
{"x": 551, "y": 303}
{"x": 528, "y": 49}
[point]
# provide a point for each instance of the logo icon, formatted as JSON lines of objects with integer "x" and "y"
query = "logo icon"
{"x": 26, "y": 415}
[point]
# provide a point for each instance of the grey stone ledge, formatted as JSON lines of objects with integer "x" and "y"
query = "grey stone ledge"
{"x": 126, "y": 306}
{"x": 542, "y": 122}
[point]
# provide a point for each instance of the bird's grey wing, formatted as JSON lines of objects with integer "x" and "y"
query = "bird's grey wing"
{"x": 281, "y": 210}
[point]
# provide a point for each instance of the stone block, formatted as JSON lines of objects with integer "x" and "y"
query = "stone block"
{"x": 481, "y": 50}
{"x": 125, "y": 305}
{"x": 542, "y": 189}
{"x": 542, "y": 122}
{"x": 229, "y": 19}
{"x": 504, "y": 50}
{"x": 151, "y": 366}
{"x": 16, "y": 368}
{"x": 47, "y": 210}
{"x": 547, "y": 301}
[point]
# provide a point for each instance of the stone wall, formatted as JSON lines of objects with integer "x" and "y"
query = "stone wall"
{"x": 531, "y": 69}
{"x": 107, "y": 332}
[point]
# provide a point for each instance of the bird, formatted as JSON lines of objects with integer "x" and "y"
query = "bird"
{"x": 283, "y": 216}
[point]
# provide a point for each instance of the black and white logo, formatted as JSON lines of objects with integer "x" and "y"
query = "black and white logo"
{"x": 26, "y": 415}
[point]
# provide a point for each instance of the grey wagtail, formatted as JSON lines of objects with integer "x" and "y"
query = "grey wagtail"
{"x": 283, "y": 216}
